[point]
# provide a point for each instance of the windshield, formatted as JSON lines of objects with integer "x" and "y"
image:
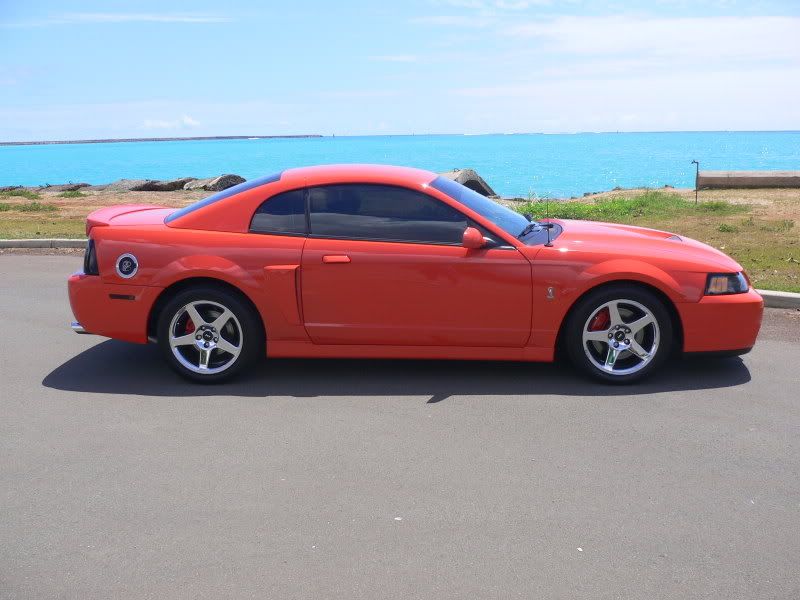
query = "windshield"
{"x": 506, "y": 219}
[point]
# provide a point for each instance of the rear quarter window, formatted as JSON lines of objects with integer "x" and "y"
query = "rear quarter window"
{"x": 281, "y": 214}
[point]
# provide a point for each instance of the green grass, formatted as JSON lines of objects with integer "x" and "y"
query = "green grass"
{"x": 620, "y": 209}
{"x": 72, "y": 194}
{"x": 42, "y": 227}
{"x": 768, "y": 248}
{"x": 27, "y": 208}
{"x": 20, "y": 193}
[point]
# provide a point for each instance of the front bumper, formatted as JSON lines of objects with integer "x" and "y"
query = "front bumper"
{"x": 113, "y": 310}
{"x": 722, "y": 323}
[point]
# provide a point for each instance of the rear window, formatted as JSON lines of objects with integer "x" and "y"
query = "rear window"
{"x": 282, "y": 214}
{"x": 231, "y": 191}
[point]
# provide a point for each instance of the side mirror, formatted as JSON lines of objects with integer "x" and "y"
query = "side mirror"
{"x": 472, "y": 239}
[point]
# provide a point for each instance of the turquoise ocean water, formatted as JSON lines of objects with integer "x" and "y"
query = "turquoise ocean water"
{"x": 515, "y": 165}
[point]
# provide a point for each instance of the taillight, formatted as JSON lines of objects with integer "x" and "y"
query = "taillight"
{"x": 90, "y": 259}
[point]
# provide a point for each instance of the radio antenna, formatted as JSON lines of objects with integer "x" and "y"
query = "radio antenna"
{"x": 547, "y": 225}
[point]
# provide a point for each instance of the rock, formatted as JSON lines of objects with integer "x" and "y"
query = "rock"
{"x": 97, "y": 188}
{"x": 470, "y": 179}
{"x": 64, "y": 187}
{"x": 214, "y": 184}
{"x": 125, "y": 185}
{"x": 164, "y": 186}
{"x": 10, "y": 188}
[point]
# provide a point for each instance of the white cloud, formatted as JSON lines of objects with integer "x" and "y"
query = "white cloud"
{"x": 701, "y": 38}
{"x": 89, "y": 18}
{"x": 183, "y": 122}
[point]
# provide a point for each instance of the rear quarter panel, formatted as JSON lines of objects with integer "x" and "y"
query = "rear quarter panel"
{"x": 169, "y": 255}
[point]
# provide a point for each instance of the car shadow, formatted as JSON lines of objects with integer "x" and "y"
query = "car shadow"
{"x": 113, "y": 367}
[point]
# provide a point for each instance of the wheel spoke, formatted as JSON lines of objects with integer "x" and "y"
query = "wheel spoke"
{"x": 226, "y": 346}
{"x": 638, "y": 351}
{"x": 639, "y": 324}
{"x": 611, "y": 358}
{"x": 221, "y": 320}
{"x": 195, "y": 315}
{"x": 183, "y": 340}
{"x": 205, "y": 356}
{"x": 596, "y": 336}
{"x": 613, "y": 313}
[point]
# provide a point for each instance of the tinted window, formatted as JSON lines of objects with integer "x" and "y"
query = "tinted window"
{"x": 505, "y": 218}
{"x": 378, "y": 212}
{"x": 283, "y": 213}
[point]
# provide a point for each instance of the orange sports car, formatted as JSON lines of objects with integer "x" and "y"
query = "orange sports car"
{"x": 363, "y": 261}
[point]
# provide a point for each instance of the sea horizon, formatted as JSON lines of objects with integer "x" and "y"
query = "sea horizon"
{"x": 366, "y": 135}
{"x": 556, "y": 165}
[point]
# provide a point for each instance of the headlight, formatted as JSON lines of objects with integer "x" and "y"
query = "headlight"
{"x": 726, "y": 283}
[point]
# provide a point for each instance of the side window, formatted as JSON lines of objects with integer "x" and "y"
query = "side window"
{"x": 380, "y": 212}
{"x": 281, "y": 214}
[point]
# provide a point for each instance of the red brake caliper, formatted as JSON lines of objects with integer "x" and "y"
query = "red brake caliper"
{"x": 601, "y": 321}
{"x": 189, "y": 326}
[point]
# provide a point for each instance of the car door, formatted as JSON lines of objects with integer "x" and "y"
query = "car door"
{"x": 385, "y": 265}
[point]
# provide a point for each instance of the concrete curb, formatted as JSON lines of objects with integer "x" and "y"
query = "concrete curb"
{"x": 43, "y": 243}
{"x": 771, "y": 299}
{"x": 780, "y": 299}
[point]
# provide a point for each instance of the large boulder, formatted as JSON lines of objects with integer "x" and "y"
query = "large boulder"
{"x": 148, "y": 185}
{"x": 163, "y": 186}
{"x": 470, "y": 179}
{"x": 125, "y": 185}
{"x": 214, "y": 184}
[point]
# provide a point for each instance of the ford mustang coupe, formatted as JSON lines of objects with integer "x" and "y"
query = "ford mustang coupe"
{"x": 364, "y": 261}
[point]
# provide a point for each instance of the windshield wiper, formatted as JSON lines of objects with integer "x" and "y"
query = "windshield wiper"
{"x": 530, "y": 227}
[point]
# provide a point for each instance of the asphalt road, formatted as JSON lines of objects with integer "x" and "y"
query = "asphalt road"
{"x": 389, "y": 479}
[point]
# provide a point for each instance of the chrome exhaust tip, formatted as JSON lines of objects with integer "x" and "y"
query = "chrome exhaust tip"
{"x": 77, "y": 327}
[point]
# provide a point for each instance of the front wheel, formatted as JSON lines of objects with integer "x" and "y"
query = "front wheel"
{"x": 208, "y": 334}
{"x": 619, "y": 334}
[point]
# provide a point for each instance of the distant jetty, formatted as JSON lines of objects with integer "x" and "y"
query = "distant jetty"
{"x": 161, "y": 139}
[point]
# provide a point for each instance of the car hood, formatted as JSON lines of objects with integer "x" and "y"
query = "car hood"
{"x": 630, "y": 241}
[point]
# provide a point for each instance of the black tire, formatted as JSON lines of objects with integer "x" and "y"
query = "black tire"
{"x": 221, "y": 364}
{"x": 629, "y": 301}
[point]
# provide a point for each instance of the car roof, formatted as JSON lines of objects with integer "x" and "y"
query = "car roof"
{"x": 214, "y": 214}
{"x": 321, "y": 174}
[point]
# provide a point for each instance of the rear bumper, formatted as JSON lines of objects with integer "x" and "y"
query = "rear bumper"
{"x": 113, "y": 310}
{"x": 722, "y": 323}
{"x": 77, "y": 327}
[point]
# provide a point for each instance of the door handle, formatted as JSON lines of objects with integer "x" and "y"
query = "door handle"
{"x": 336, "y": 258}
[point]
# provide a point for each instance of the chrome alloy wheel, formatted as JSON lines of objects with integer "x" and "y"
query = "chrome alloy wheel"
{"x": 621, "y": 337}
{"x": 205, "y": 337}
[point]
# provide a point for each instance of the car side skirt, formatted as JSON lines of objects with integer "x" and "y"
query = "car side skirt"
{"x": 299, "y": 349}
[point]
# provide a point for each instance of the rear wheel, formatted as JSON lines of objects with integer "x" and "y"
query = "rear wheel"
{"x": 209, "y": 334}
{"x": 619, "y": 334}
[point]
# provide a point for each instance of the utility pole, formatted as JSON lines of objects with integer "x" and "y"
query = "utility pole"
{"x": 696, "y": 177}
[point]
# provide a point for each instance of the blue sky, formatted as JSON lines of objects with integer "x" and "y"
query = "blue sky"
{"x": 102, "y": 69}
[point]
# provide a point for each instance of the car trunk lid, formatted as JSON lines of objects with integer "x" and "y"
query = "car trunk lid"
{"x": 127, "y": 214}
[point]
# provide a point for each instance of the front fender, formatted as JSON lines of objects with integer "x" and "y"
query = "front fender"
{"x": 559, "y": 281}
{"x": 640, "y": 271}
